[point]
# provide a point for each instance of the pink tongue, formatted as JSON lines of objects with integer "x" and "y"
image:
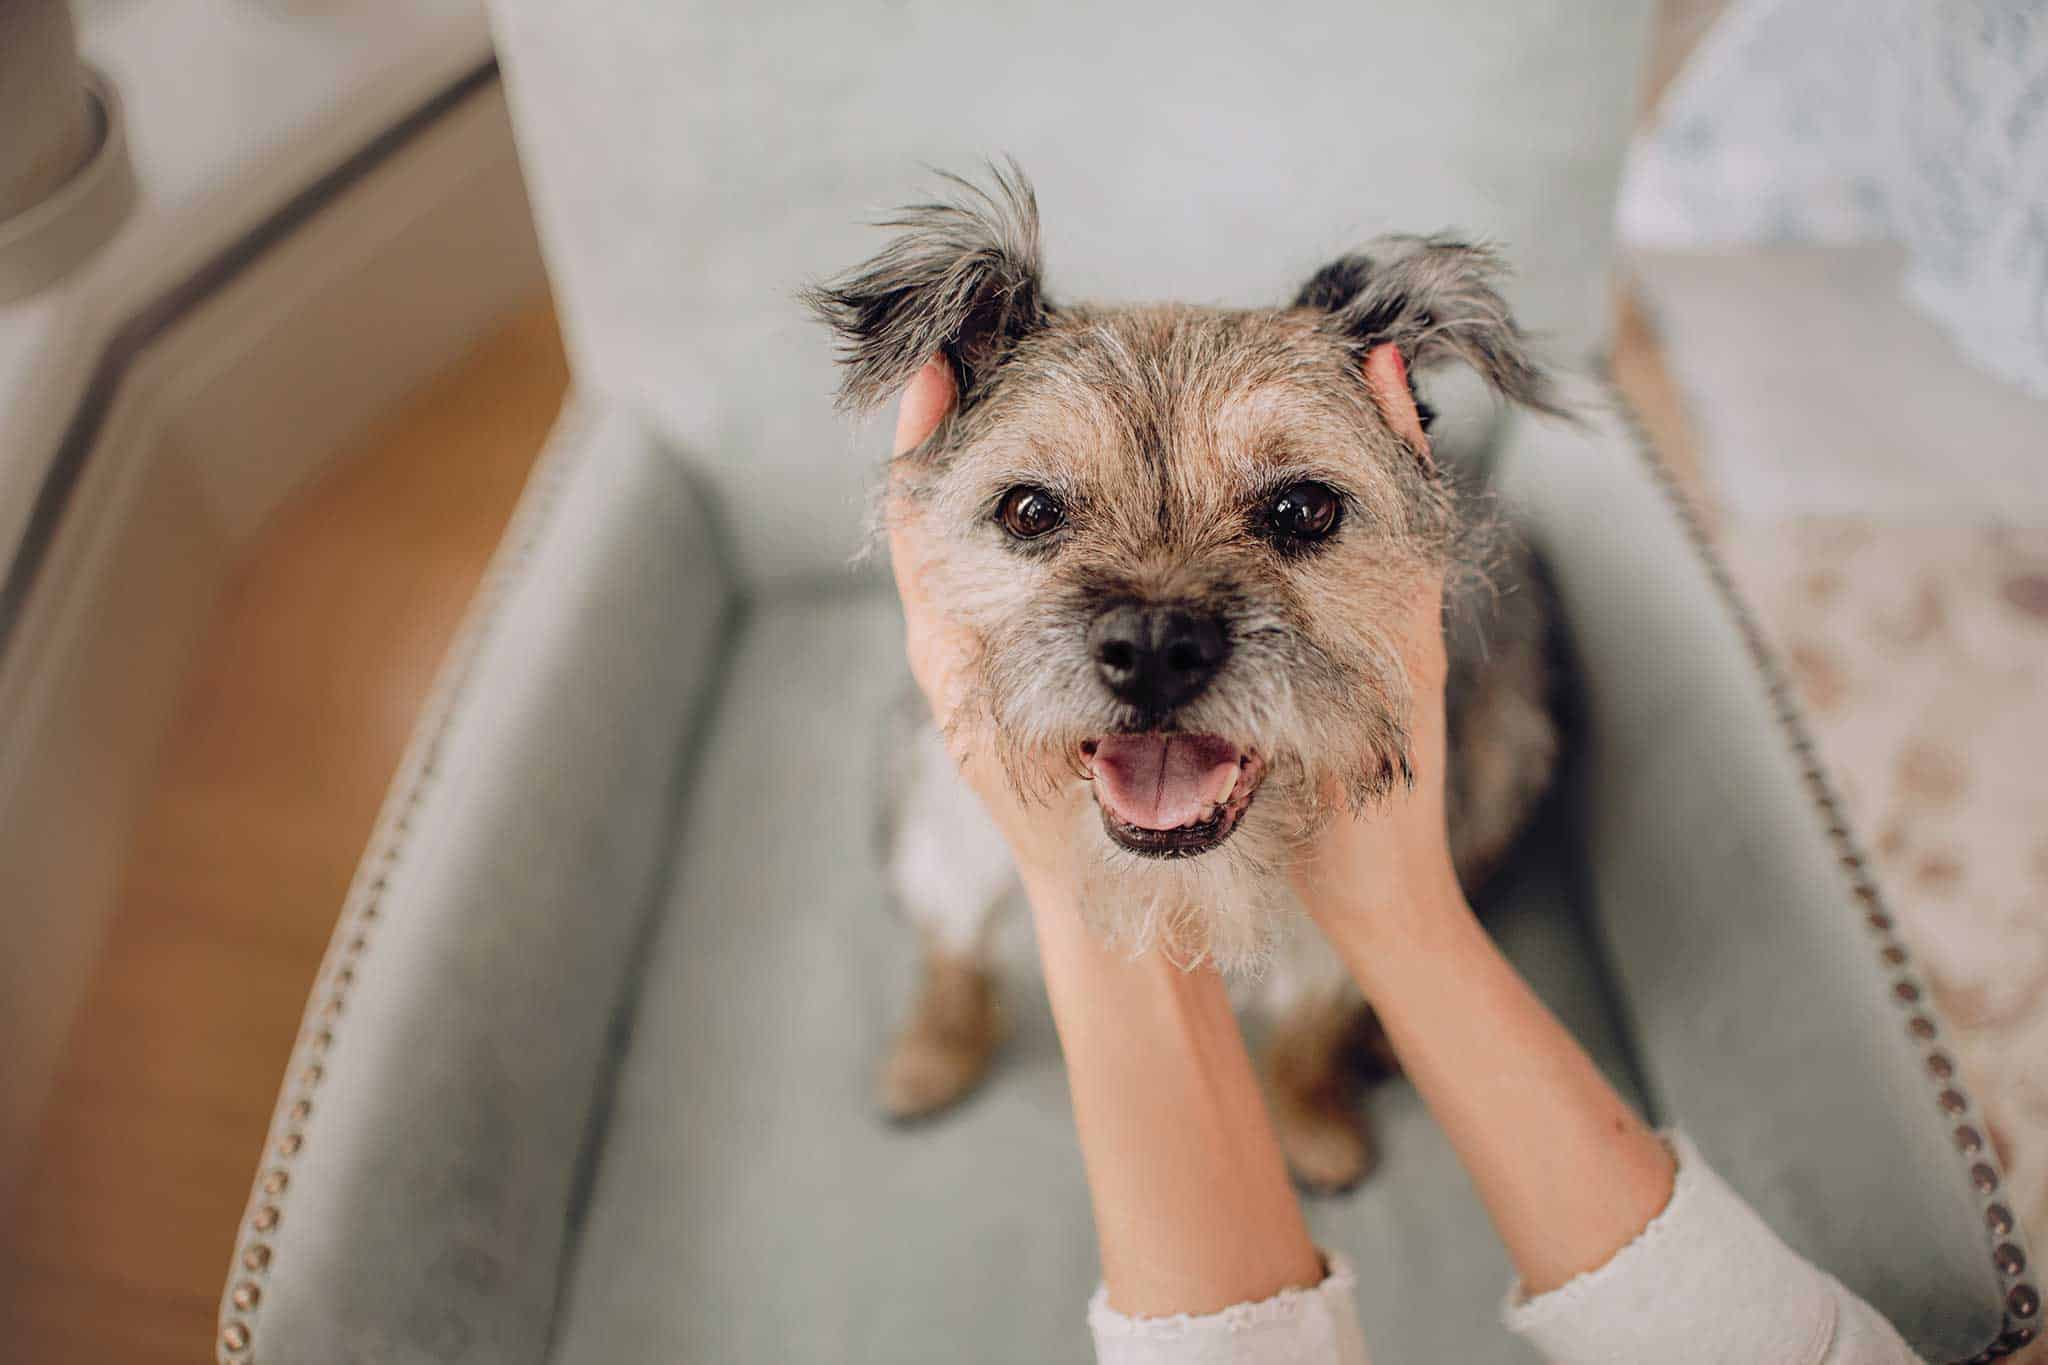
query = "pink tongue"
{"x": 1162, "y": 781}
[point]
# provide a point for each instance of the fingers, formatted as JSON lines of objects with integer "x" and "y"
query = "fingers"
{"x": 1386, "y": 374}
{"x": 1420, "y": 632}
{"x": 1363, "y": 854}
{"x": 924, "y": 405}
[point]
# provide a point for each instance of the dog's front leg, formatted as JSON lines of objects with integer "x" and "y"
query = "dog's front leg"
{"x": 950, "y": 870}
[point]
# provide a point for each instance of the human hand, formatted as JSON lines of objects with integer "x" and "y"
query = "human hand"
{"x": 1040, "y": 832}
{"x": 1567, "y": 1171}
{"x": 1377, "y": 880}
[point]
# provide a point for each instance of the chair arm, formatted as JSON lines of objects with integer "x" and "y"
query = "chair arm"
{"x": 417, "y": 1192}
{"x": 1775, "y": 1017}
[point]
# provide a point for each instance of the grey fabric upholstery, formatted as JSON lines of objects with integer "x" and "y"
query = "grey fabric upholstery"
{"x": 1767, "y": 1025}
{"x": 422, "y": 1200}
{"x": 751, "y": 1206}
{"x": 692, "y": 165}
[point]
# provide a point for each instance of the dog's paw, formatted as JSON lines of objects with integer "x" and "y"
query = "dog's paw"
{"x": 1324, "y": 1050}
{"x": 1327, "y": 1148}
{"x": 946, "y": 1045}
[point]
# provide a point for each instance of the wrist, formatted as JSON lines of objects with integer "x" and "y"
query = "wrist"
{"x": 1402, "y": 932}
{"x": 1082, "y": 961}
{"x": 1114, "y": 1006}
{"x": 1167, "y": 1105}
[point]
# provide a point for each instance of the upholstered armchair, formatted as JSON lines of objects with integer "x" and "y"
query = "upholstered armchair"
{"x": 584, "y": 1076}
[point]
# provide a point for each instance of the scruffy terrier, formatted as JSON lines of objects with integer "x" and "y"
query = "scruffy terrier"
{"x": 1175, "y": 536}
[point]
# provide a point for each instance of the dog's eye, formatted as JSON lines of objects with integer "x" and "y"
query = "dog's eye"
{"x": 1302, "y": 513}
{"x": 1028, "y": 513}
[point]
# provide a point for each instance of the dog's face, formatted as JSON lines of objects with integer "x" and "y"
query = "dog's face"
{"x": 1178, "y": 537}
{"x": 1166, "y": 530}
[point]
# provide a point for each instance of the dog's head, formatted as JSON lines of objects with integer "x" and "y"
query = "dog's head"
{"x": 1176, "y": 534}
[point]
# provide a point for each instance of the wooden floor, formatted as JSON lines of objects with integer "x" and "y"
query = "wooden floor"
{"x": 318, "y": 658}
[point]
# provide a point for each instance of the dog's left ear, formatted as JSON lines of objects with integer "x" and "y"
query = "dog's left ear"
{"x": 960, "y": 280}
{"x": 1410, "y": 302}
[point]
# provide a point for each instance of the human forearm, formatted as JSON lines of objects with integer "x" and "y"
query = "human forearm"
{"x": 1193, "y": 1208}
{"x": 1567, "y": 1171}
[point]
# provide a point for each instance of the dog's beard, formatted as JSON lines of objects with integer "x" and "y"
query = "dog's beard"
{"x": 1228, "y": 906}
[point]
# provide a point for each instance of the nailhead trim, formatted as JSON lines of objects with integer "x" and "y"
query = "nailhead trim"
{"x": 2023, "y": 1300}
{"x": 234, "y": 1342}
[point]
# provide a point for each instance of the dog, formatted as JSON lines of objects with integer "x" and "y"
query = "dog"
{"x": 1174, "y": 536}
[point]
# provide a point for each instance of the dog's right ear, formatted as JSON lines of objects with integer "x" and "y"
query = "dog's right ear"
{"x": 1432, "y": 299}
{"x": 962, "y": 281}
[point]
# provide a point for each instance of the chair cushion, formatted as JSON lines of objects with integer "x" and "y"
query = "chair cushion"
{"x": 750, "y": 1205}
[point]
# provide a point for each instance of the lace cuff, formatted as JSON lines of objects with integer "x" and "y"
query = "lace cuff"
{"x": 1705, "y": 1280}
{"x": 1316, "y": 1326}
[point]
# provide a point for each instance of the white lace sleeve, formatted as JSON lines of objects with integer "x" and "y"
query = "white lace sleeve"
{"x": 1707, "y": 1280}
{"x": 1317, "y": 1326}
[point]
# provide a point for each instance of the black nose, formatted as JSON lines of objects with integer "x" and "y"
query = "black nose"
{"x": 1156, "y": 657}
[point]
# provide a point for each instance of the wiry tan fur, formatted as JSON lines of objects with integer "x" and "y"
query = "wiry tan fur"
{"x": 1164, "y": 430}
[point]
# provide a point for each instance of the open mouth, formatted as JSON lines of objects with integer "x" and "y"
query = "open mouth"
{"x": 1171, "y": 795}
